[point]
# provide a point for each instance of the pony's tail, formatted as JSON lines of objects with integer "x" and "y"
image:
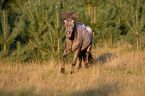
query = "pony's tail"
{"x": 91, "y": 59}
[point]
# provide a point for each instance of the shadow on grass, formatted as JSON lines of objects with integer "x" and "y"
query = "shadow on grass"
{"x": 105, "y": 90}
{"x": 23, "y": 92}
{"x": 102, "y": 59}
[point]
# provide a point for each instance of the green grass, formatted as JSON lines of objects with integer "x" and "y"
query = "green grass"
{"x": 122, "y": 76}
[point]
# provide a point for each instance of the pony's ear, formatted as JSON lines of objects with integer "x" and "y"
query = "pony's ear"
{"x": 74, "y": 16}
{"x": 73, "y": 21}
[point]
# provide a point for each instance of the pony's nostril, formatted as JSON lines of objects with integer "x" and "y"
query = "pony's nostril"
{"x": 69, "y": 32}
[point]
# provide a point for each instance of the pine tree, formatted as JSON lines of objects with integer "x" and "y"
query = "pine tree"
{"x": 37, "y": 30}
{"x": 7, "y": 34}
{"x": 43, "y": 30}
{"x": 1, "y": 2}
{"x": 135, "y": 33}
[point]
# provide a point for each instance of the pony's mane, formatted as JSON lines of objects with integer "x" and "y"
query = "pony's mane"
{"x": 73, "y": 15}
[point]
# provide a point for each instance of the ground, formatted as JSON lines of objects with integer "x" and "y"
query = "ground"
{"x": 123, "y": 75}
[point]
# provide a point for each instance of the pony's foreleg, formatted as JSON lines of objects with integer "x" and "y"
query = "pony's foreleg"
{"x": 80, "y": 55}
{"x": 63, "y": 60}
{"x": 74, "y": 60}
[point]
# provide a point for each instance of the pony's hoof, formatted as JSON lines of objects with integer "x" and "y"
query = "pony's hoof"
{"x": 71, "y": 72}
{"x": 79, "y": 69}
{"x": 86, "y": 66}
{"x": 62, "y": 70}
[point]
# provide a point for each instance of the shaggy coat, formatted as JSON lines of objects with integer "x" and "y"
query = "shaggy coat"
{"x": 78, "y": 40}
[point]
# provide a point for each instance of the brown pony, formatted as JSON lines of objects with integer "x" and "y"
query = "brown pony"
{"x": 78, "y": 40}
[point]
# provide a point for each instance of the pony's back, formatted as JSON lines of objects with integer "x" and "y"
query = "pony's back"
{"x": 87, "y": 28}
{"x": 84, "y": 36}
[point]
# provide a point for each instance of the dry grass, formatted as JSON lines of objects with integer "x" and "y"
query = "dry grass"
{"x": 122, "y": 76}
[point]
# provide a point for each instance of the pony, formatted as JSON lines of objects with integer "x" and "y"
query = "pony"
{"x": 79, "y": 40}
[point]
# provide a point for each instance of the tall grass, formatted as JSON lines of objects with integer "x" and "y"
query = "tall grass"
{"x": 122, "y": 76}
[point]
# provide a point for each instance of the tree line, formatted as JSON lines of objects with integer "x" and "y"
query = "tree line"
{"x": 32, "y": 29}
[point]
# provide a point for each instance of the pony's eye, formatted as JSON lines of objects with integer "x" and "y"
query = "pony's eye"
{"x": 73, "y": 21}
{"x": 64, "y": 21}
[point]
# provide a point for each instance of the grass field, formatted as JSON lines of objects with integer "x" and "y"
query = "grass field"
{"x": 122, "y": 76}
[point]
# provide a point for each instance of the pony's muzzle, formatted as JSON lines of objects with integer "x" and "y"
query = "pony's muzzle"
{"x": 68, "y": 33}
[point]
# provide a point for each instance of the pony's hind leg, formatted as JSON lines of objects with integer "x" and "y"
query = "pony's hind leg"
{"x": 91, "y": 59}
{"x": 80, "y": 55}
{"x": 86, "y": 60}
{"x": 80, "y": 62}
{"x": 87, "y": 57}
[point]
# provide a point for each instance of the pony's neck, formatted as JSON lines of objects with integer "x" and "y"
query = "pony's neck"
{"x": 74, "y": 33}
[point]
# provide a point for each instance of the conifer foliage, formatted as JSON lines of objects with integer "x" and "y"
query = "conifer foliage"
{"x": 36, "y": 31}
{"x": 42, "y": 29}
{"x": 7, "y": 33}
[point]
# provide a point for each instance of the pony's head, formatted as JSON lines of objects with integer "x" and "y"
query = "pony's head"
{"x": 69, "y": 27}
{"x": 69, "y": 19}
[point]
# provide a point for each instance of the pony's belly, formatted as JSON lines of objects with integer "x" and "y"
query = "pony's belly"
{"x": 85, "y": 47}
{"x": 76, "y": 46}
{"x": 86, "y": 44}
